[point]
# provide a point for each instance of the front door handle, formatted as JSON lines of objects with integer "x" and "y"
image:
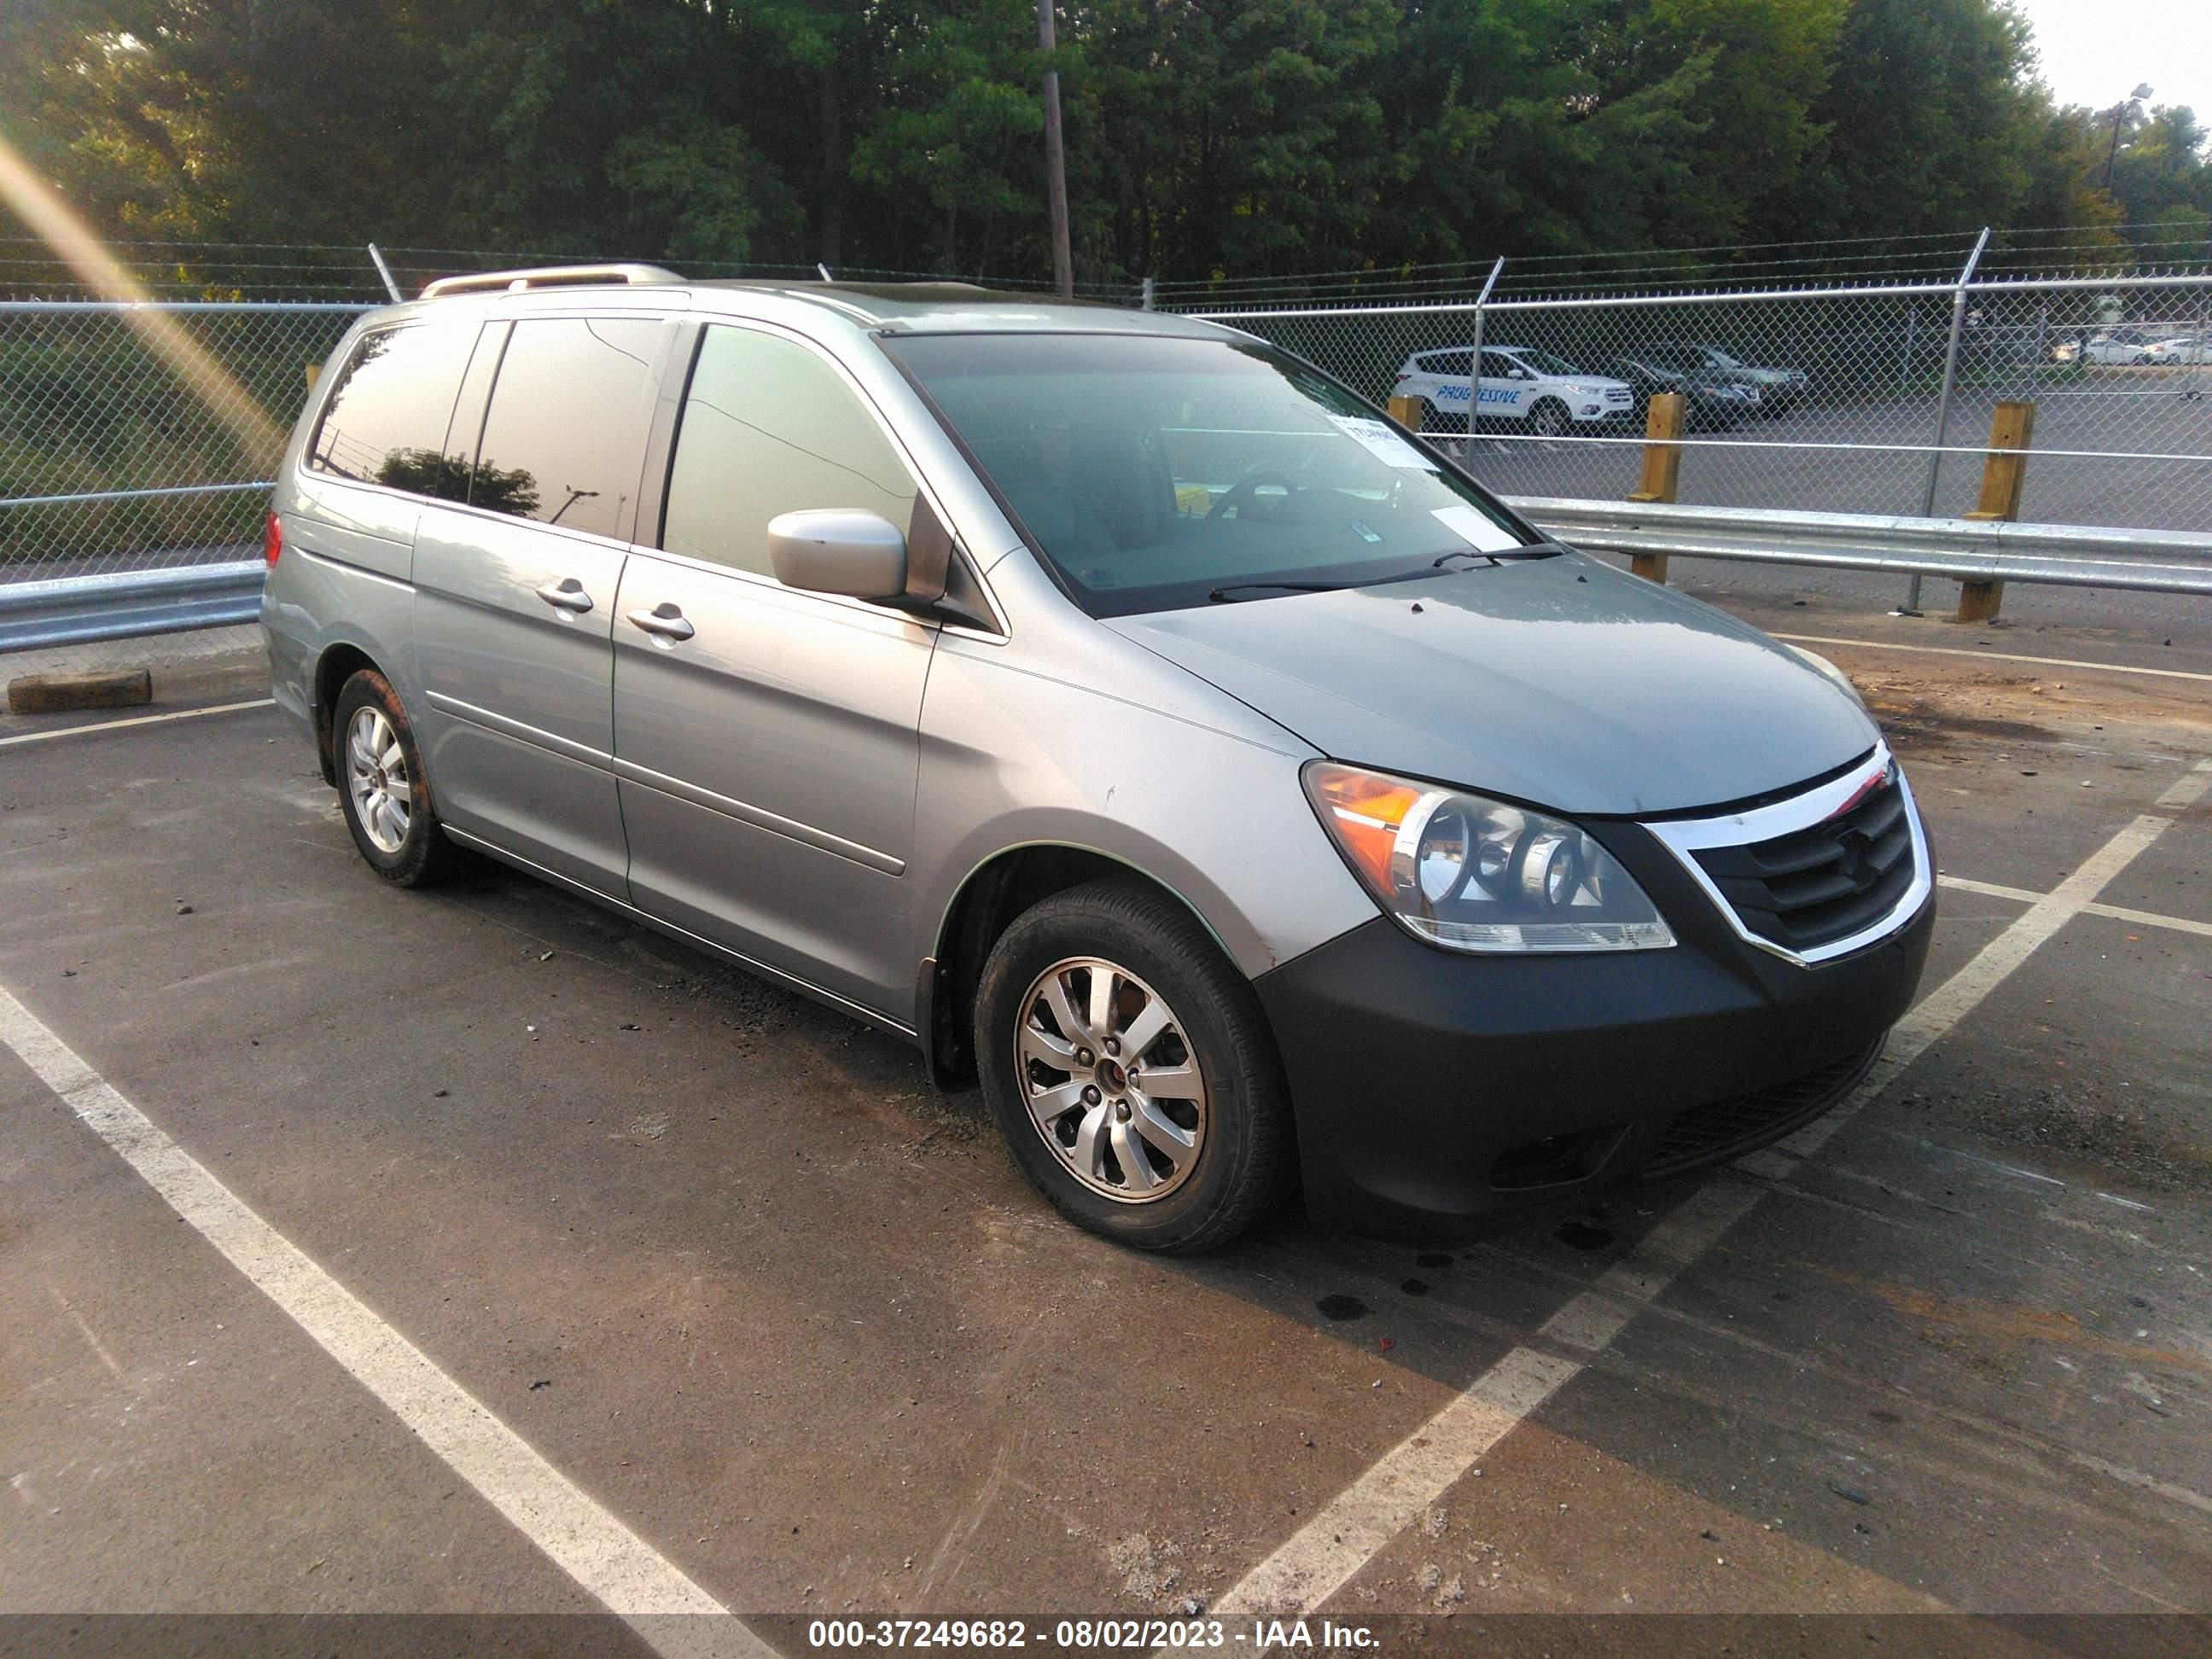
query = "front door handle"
{"x": 665, "y": 620}
{"x": 568, "y": 595}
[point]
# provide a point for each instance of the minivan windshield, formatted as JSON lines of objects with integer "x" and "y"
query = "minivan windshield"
{"x": 1155, "y": 472}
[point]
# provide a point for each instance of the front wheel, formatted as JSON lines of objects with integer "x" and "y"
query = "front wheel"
{"x": 1551, "y": 419}
{"x": 1130, "y": 1070}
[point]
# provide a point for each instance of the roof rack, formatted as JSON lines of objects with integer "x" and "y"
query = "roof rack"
{"x": 517, "y": 282}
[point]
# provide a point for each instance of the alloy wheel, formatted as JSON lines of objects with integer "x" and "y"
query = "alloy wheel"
{"x": 1110, "y": 1079}
{"x": 377, "y": 779}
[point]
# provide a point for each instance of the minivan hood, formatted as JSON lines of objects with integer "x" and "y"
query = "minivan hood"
{"x": 1563, "y": 683}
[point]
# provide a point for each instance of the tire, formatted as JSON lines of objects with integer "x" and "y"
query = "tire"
{"x": 1216, "y": 1144}
{"x": 1550, "y": 419}
{"x": 387, "y": 798}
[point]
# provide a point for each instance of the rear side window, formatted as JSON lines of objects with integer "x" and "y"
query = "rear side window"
{"x": 770, "y": 428}
{"x": 564, "y": 438}
{"x": 1461, "y": 363}
{"x": 385, "y": 424}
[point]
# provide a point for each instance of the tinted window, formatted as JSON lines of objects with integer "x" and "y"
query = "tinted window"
{"x": 564, "y": 439}
{"x": 770, "y": 428}
{"x": 1459, "y": 363}
{"x": 385, "y": 424}
{"x": 1497, "y": 365}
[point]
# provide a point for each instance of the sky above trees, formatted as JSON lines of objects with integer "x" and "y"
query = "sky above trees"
{"x": 1244, "y": 136}
{"x": 2096, "y": 51}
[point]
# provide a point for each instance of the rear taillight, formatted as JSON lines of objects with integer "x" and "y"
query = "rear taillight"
{"x": 1401, "y": 379}
{"x": 272, "y": 540}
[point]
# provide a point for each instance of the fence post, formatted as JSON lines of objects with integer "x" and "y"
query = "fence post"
{"x": 2012, "y": 428}
{"x": 1474, "y": 359}
{"x": 1911, "y": 606}
{"x": 315, "y": 372}
{"x": 1663, "y": 470}
{"x": 1147, "y": 301}
{"x": 1406, "y": 411}
{"x": 384, "y": 270}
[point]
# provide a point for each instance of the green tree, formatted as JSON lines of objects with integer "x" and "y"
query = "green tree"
{"x": 1932, "y": 119}
{"x": 1242, "y": 134}
{"x": 2163, "y": 187}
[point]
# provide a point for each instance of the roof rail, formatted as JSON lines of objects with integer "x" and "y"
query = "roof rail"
{"x": 516, "y": 282}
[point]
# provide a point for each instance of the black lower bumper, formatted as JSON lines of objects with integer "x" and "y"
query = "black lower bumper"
{"x": 1440, "y": 1096}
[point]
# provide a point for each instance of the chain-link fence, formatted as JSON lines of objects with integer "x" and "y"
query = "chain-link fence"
{"x": 1875, "y": 400}
{"x": 136, "y": 436}
{"x": 144, "y": 436}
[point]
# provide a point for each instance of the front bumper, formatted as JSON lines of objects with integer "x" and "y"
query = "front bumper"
{"x": 1442, "y": 1096}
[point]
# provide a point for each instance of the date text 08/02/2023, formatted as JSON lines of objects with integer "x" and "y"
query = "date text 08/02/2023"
{"x": 1255, "y": 1635}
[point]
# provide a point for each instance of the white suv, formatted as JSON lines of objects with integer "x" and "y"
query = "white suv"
{"x": 1519, "y": 383}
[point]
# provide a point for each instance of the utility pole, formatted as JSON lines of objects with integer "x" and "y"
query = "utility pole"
{"x": 2120, "y": 114}
{"x": 1055, "y": 160}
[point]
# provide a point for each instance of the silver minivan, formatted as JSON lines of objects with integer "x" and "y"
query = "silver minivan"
{"x": 1112, "y": 705}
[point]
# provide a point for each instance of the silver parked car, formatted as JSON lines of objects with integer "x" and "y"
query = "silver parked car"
{"x": 1113, "y": 706}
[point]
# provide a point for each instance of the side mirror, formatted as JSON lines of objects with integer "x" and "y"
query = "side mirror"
{"x": 839, "y": 550}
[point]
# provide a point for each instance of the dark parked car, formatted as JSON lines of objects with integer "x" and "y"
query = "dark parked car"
{"x": 1779, "y": 389}
{"x": 1711, "y": 401}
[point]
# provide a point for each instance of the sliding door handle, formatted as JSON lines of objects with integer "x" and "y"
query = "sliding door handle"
{"x": 664, "y": 620}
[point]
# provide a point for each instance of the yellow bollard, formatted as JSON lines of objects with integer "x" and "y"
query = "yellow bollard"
{"x": 2011, "y": 428}
{"x": 1662, "y": 471}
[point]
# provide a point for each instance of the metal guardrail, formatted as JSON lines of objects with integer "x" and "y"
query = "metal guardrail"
{"x": 2147, "y": 560}
{"x": 127, "y": 604}
{"x": 123, "y": 605}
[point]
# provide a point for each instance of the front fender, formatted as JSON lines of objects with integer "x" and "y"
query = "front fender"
{"x": 1013, "y": 758}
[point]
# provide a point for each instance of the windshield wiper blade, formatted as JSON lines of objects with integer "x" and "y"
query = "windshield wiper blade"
{"x": 1531, "y": 550}
{"x": 1535, "y": 550}
{"x": 1221, "y": 595}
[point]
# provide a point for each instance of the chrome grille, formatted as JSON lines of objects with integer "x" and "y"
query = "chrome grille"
{"x": 1834, "y": 878}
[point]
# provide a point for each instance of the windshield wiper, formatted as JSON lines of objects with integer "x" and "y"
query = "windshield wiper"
{"x": 1223, "y": 595}
{"x": 1532, "y": 550}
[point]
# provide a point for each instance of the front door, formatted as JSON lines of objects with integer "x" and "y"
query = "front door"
{"x": 766, "y": 739}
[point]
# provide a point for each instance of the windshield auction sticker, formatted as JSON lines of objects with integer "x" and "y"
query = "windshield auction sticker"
{"x": 1384, "y": 444}
{"x": 1476, "y": 530}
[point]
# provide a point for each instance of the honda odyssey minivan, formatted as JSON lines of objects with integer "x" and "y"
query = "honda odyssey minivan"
{"x": 1113, "y": 706}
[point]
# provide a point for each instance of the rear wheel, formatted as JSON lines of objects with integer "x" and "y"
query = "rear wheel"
{"x": 1550, "y": 419}
{"x": 1131, "y": 1071}
{"x": 382, "y": 790}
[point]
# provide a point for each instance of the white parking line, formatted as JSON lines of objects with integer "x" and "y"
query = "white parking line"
{"x": 136, "y": 719}
{"x": 2117, "y": 912}
{"x": 1993, "y": 656}
{"x": 1319, "y": 1559}
{"x": 584, "y": 1538}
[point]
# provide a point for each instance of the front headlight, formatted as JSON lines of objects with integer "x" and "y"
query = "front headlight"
{"x": 1474, "y": 874}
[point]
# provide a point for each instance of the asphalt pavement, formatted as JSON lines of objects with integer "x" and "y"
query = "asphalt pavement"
{"x": 781, "y": 1324}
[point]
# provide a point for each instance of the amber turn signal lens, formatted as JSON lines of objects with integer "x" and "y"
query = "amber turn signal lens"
{"x": 1366, "y": 813}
